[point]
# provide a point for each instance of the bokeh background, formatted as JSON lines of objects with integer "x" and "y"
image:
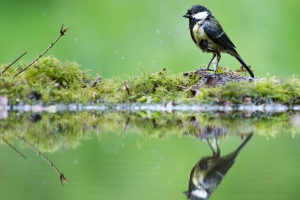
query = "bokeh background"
{"x": 115, "y": 36}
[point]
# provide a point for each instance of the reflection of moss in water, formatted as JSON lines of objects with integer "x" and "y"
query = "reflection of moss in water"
{"x": 54, "y": 131}
{"x": 49, "y": 134}
{"x": 263, "y": 125}
{"x": 54, "y": 81}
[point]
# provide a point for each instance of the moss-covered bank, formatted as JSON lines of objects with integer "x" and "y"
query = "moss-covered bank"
{"x": 52, "y": 81}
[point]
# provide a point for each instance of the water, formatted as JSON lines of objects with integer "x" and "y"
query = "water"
{"x": 107, "y": 154}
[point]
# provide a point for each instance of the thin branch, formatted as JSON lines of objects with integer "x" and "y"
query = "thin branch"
{"x": 62, "y": 32}
{"x": 61, "y": 176}
{"x": 126, "y": 125}
{"x": 6, "y": 68}
{"x": 126, "y": 87}
{"x": 16, "y": 150}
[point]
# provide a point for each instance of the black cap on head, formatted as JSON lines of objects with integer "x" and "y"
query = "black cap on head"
{"x": 197, "y": 9}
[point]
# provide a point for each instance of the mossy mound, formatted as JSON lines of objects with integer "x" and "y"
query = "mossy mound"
{"x": 52, "y": 81}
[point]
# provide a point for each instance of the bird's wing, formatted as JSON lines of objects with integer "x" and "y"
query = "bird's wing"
{"x": 216, "y": 175}
{"x": 214, "y": 31}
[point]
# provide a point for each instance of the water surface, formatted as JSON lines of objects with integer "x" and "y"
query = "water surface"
{"x": 145, "y": 155}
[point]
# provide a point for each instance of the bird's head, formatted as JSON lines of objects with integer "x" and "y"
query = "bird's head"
{"x": 196, "y": 194}
{"x": 197, "y": 12}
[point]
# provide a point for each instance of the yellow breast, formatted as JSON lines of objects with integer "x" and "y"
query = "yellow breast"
{"x": 199, "y": 34}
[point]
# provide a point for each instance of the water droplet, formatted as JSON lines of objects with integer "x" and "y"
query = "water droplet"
{"x": 116, "y": 51}
{"x": 75, "y": 161}
{"x": 43, "y": 13}
{"x": 153, "y": 60}
{"x": 122, "y": 144}
{"x": 153, "y": 151}
{"x": 75, "y": 39}
{"x": 122, "y": 58}
{"x": 160, "y": 42}
{"x": 169, "y": 32}
{"x": 157, "y": 31}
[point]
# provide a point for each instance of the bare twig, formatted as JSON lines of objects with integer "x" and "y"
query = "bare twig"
{"x": 126, "y": 125}
{"x": 6, "y": 68}
{"x": 181, "y": 87}
{"x": 126, "y": 87}
{"x": 61, "y": 176}
{"x": 62, "y": 32}
{"x": 16, "y": 150}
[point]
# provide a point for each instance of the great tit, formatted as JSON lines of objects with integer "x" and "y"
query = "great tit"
{"x": 209, "y": 171}
{"x": 208, "y": 34}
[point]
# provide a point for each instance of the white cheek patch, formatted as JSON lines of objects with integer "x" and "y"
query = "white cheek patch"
{"x": 200, "y": 15}
{"x": 200, "y": 194}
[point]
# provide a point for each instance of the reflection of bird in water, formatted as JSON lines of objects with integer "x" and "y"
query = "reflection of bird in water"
{"x": 203, "y": 132}
{"x": 208, "y": 172}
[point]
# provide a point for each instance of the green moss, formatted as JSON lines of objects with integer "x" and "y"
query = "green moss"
{"x": 55, "y": 81}
{"x": 159, "y": 86}
{"x": 262, "y": 91}
{"x": 51, "y": 71}
{"x": 111, "y": 91}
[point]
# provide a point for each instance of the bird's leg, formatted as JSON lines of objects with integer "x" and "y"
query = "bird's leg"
{"x": 218, "y": 149}
{"x": 217, "y": 154}
{"x": 217, "y": 63}
{"x": 207, "y": 140}
{"x": 207, "y": 68}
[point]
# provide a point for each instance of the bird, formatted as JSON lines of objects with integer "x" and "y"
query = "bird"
{"x": 209, "y": 171}
{"x": 208, "y": 35}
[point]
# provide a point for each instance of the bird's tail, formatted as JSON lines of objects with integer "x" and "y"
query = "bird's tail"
{"x": 244, "y": 143}
{"x": 238, "y": 57}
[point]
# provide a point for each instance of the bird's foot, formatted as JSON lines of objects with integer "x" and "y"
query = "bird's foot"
{"x": 207, "y": 69}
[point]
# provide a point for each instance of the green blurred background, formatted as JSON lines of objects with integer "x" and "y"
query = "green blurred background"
{"x": 115, "y": 36}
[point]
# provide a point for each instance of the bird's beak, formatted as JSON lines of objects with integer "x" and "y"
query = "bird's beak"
{"x": 187, "y": 16}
